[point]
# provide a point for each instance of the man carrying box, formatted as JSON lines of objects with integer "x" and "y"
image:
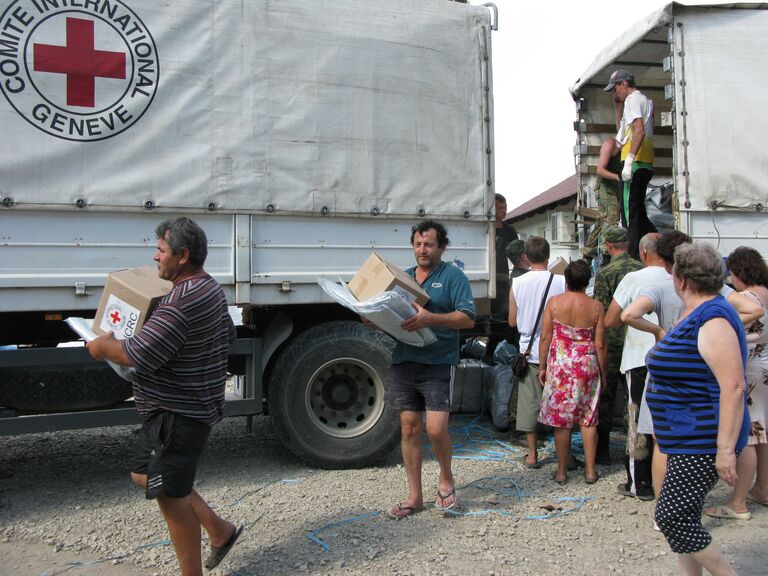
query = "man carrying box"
{"x": 419, "y": 379}
{"x": 180, "y": 355}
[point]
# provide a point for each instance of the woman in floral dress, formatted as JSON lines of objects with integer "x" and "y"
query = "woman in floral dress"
{"x": 572, "y": 353}
{"x": 749, "y": 275}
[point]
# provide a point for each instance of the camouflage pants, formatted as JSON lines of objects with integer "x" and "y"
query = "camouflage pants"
{"x": 608, "y": 206}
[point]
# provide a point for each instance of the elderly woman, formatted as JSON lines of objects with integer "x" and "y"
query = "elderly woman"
{"x": 749, "y": 275}
{"x": 572, "y": 356}
{"x": 697, "y": 401}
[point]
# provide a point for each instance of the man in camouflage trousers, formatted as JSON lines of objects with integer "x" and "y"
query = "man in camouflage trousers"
{"x": 607, "y": 191}
{"x": 606, "y": 280}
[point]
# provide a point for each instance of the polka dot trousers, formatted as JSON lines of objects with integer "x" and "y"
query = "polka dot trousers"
{"x": 688, "y": 479}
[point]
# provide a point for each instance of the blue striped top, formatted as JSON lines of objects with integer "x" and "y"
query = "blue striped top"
{"x": 683, "y": 394}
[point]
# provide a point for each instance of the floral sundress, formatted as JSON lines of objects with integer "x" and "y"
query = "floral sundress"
{"x": 572, "y": 389}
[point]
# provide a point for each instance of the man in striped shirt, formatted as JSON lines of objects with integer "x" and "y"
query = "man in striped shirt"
{"x": 180, "y": 356}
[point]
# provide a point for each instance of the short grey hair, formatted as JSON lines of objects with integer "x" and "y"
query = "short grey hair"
{"x": 649, "y": 243}
{"x": 182, "y": 232}
{"x": 701, "y": 266}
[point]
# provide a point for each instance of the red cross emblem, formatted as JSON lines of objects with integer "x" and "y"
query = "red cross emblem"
{"x": 115, "y": 316}
{"x": 80, "y": 61}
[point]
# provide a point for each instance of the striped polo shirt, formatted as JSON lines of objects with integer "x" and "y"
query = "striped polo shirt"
{"x": 683, "y": 394}
{"x": 181, "y": 352}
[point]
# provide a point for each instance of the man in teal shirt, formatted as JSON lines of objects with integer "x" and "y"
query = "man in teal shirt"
{"x": 419, "y": 379}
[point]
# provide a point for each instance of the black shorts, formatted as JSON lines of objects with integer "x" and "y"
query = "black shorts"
{"x": 168, "y": 449}
{"x": 416, "y": 387}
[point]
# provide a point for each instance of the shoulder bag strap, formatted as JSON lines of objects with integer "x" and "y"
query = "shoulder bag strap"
{"x": 538, "y": 316}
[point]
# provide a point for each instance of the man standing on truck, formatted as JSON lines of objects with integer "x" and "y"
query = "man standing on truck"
{"x": 607, "y": 191}
{"x": 180, "y": 356}
{"x": 634, "y": 121}
{"x": 420, "y": 378}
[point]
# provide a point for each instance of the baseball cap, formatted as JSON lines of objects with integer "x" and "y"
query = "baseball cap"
{"x": 616, "y": 77}
{"x": 615, "y": 235}
{"x": 515, "y": 249}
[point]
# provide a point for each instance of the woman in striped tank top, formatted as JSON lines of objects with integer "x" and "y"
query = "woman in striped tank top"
{"x": 696, "y": 395}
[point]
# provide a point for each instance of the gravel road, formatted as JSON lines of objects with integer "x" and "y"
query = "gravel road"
{"x": 67, "y": 506}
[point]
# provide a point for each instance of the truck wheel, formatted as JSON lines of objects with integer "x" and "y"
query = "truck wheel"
{"x": 327, "y": 396}
{"x": 62, "y": 390}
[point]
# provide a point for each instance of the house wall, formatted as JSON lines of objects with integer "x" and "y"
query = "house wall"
{"x": 539, "y": 225}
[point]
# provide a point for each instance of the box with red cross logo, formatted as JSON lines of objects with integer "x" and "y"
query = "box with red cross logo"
{"x": 127, "y": 301}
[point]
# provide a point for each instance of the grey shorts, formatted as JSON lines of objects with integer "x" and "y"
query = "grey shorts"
{"x": 529, "y": 399}
{"x": 419, "y": 387}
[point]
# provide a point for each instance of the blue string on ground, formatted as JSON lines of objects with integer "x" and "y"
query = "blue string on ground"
{"x": 313, "y": 535}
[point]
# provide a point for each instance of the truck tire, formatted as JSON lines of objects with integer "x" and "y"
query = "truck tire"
{"x": 327, "y": 396}
{"x": 62, "y": 390}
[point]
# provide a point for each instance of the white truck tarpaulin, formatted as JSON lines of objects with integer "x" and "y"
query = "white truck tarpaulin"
{"x": 235, "y": 105}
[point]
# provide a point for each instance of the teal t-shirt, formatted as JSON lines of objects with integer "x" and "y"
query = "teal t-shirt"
{"x": 449, "y": 291}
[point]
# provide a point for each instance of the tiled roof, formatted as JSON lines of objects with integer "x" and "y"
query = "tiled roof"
{"x": 558, "y": 194}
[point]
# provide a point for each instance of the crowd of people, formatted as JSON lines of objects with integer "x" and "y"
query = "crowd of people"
{"x": 690, "y": 352}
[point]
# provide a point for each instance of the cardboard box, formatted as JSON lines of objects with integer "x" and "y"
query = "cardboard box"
{"x": 377, "y": 275}
{"x": 557, "y": 266}
{"x": 127, "y": 301}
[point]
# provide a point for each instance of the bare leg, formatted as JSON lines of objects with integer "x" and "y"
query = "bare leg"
{"x": 563, "y": 452}
{"x": 533, "y": 451}
{"x": 589, "y": 439}
{"x": 411, "y": 425}
{"x": 184, "y": 528}
{"x": 760, "y": 489}
{"x": 745, "y": 468}
{"x": 710, "y": 558}
{"x": 219, "y": 530}
{"x": 658, "y": 469}
{"x": 437, "y": 430}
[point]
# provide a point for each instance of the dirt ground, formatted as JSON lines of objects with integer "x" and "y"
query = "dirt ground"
{"x": 67, "y": 507}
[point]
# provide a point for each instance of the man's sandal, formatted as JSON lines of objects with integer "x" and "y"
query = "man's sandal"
{"x": 218, "y": 554}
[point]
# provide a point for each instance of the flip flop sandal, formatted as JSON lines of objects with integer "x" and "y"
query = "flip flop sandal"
{"x": 218, "y": 554}
{"x": 561, "y": 481}
{"x": 535, "y": 466}
{"x": 727, "y": 513}
{"x": 592, "y": 480}
{"x": 444, "y": 497}
{"x": 398, "y": 511}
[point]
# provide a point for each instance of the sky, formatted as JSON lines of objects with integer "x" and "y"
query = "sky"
{"x": 539, "y": 51}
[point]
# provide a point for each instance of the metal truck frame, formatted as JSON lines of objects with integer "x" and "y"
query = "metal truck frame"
{"x": 704, "y": 68}
{"x": 300, "y": 136}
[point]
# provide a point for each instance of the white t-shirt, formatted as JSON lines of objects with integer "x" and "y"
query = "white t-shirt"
{"x": 637, "y": 343}
{"x": 528, "y": 290}
{"x": 636, "y": 105}
{"x": 668, "y": 305}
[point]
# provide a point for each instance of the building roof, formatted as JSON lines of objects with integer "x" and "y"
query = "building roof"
{"x": 559, "y": 194}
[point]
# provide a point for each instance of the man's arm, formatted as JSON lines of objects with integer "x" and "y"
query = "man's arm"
{"x": 613, "y": 316}
{"x": 457, "y": 320}
{"x": 107, "y": 347}
{"x": 512, "y": 318}
{"x": 638, "y": 135}
{"x": 545, "y": 340}
{"x": 601, "y": 347}
{"x": 633, "y": 316}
